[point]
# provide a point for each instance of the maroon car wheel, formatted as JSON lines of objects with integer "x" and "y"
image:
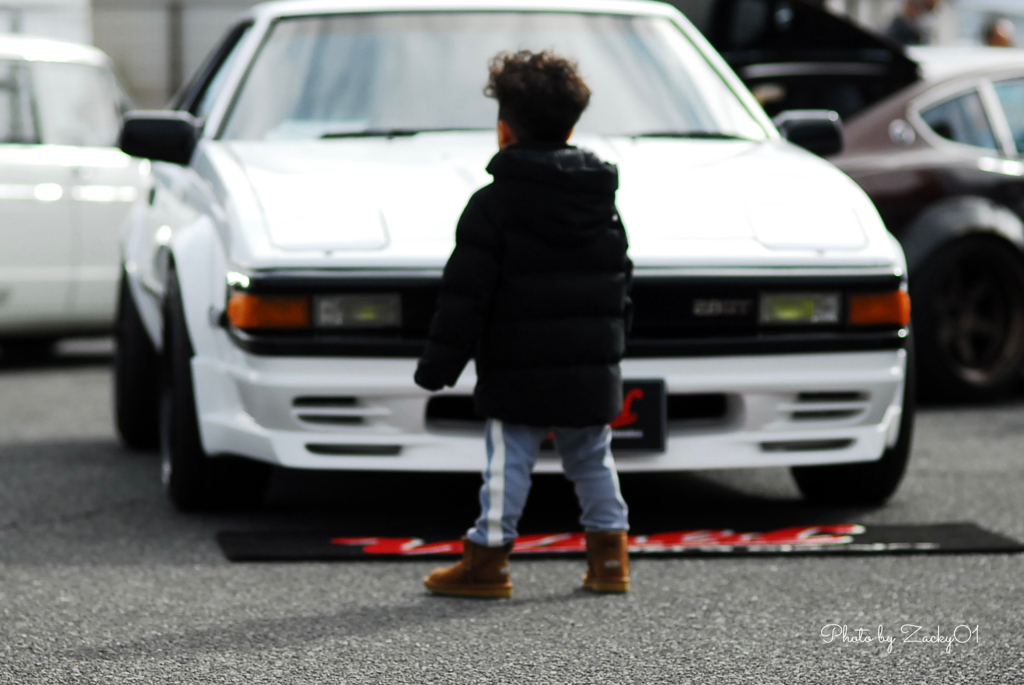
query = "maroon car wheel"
{"x": 968, "y": 303}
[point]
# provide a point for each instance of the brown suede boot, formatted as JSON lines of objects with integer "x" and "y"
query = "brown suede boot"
{"x": 482, "y": 572}
{"x": 607, "y": 562}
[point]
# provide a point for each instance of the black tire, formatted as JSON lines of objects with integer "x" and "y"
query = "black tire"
{"x": 968, "y": 311}
{"x": 136, "y": 377}
{"x": 869, "y": 483}
{"x": 193, "y": 480}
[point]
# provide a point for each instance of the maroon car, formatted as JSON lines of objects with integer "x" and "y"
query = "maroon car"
{"x": 942, "y": 162}
{"x": 935, "y": 137}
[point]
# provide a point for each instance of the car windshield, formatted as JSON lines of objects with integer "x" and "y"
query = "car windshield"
{"x": 397, "y": 74}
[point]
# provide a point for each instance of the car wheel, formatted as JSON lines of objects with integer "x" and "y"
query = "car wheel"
{"x": 968, "y": 301}
{"x": 869, "y": 483}
{"x": 193, "y": 480}
{"x": 136, "y": 377}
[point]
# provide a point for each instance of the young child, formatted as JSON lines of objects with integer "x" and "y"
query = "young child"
{"x": 536, "y": 291}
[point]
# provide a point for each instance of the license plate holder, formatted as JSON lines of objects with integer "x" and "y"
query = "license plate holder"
{"x": 642, "y": 424}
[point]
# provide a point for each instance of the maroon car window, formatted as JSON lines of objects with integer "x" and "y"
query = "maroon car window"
{"x": 1011, "y": 96}
{"x": 962, "y": 120}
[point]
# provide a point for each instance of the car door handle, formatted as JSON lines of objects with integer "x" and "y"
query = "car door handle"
{"x": 83, "y": 173}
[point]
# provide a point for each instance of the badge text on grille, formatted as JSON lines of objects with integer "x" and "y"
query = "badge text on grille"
{"x": 716, "y": 307}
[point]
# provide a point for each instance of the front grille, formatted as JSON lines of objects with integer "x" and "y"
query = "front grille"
{"x": 664, "y": 310}
{"x": 671, "y": 317}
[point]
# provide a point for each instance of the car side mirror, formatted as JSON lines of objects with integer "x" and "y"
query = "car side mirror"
{"x": 163, "y": 136}
{"x": 817, "y": 130}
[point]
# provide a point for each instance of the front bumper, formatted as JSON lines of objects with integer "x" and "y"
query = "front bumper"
{"x": 367, "y": 414}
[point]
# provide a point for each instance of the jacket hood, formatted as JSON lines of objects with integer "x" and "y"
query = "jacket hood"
{"x": 561, "y": 166}
{"x": 562, "y": 194}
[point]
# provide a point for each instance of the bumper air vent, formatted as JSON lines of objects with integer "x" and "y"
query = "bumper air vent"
{"x": 827, "y": 406}
{"x": 459, "y": 411}
{"x": 356, "y": 450}
{"x": 453, "y": 412}
{"x": 335, "y": 411}
{"x": 805, "y": 445}
{"x": 705, "y": 408}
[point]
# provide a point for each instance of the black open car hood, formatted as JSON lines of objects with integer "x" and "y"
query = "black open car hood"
{"x": 812, "y": 54}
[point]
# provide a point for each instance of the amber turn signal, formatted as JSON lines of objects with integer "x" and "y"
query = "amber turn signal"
{"x": 247, "y": 311}
{"x": 880, "y": 309}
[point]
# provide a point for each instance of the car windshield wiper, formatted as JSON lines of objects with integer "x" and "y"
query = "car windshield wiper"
{"x": 706, "y": 135}
{"x": 392, "y": 132}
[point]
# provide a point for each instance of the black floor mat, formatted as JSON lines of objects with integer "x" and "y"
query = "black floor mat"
{"x": 946, "y": 538}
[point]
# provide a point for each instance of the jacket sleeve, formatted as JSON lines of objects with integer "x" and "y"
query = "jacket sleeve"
{"x": 467, "y": 290}
{"x": 628, "y": 312}
{"x": 627, "y": 267}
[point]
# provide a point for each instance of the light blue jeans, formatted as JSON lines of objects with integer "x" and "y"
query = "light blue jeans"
{"x": 512, "y": 452}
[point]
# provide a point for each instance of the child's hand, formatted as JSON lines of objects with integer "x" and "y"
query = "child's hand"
{"x": 424, "y": 380}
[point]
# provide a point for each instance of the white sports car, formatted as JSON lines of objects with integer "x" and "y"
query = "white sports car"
{"x": 65, "y": 189}
{"x": 282, "y": 267}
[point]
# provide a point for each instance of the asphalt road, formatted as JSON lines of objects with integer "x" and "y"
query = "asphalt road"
{"x": 101, "y": 581}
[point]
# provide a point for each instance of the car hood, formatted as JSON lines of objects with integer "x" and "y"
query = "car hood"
{"x": 685, "y": 203}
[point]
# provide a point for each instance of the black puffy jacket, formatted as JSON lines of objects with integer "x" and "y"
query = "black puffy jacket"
{"x": 537, "y": 291}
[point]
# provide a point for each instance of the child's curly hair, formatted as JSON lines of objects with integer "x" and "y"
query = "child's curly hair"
{"x": 540, "y": 95}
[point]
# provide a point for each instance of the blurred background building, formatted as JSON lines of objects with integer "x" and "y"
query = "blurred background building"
{"x": 63, "y": 19}
{"x": 157, "y": 44}
{"x": 954, "y": 22}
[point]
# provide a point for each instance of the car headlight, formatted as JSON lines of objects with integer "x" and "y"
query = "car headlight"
{"x": 249, "y": 311}
{"x": 796, "y": 309}
{"x": 357, "y": 311}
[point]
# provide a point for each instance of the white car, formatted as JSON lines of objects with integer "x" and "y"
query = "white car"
{"x": 283, "y": 266}
{"x": 65, "y": 189}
